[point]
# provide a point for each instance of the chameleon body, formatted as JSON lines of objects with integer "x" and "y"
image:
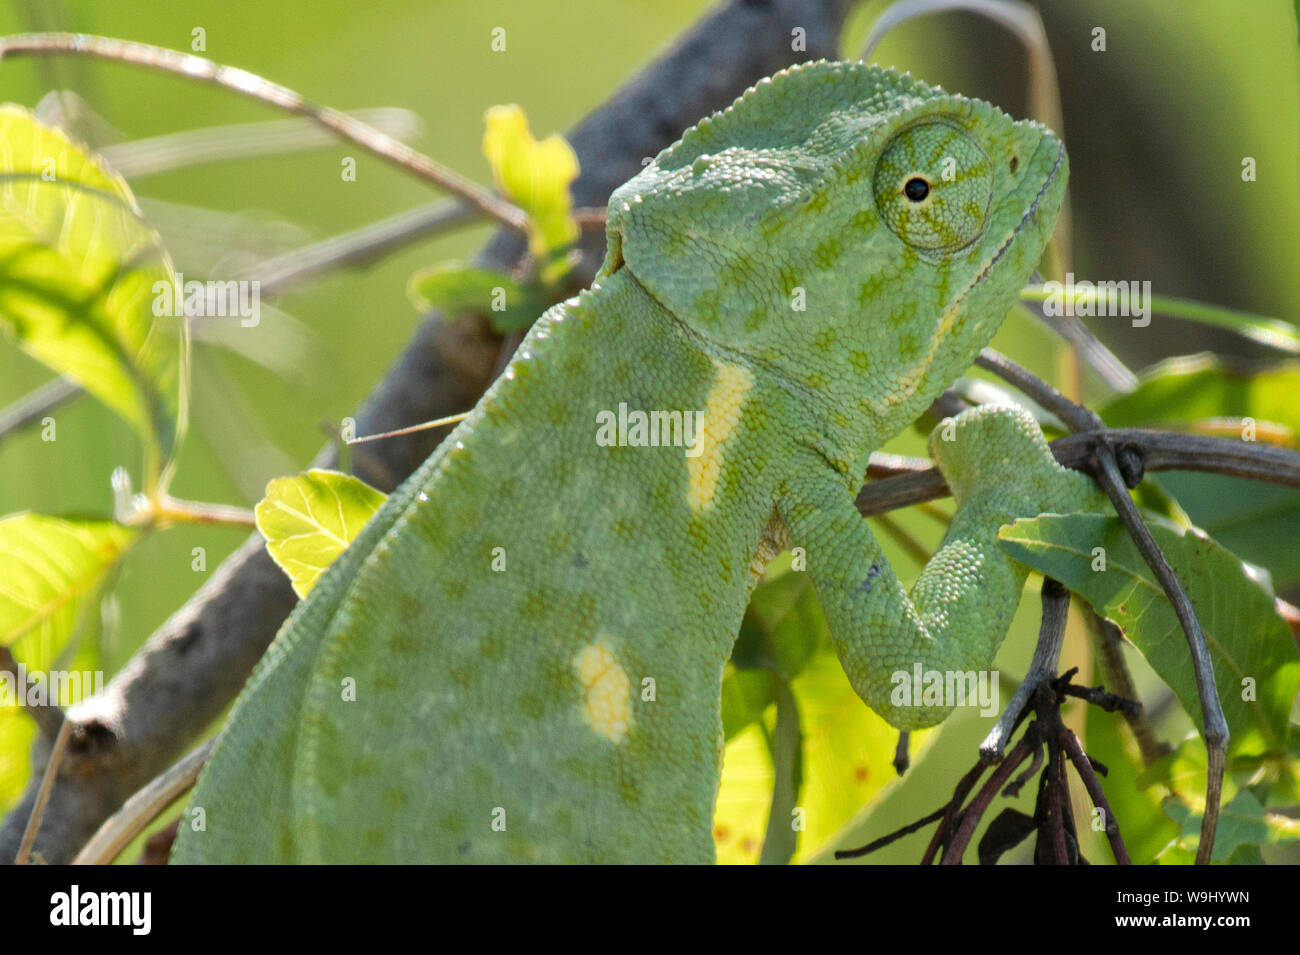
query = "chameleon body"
{"x": 809, "y": 268}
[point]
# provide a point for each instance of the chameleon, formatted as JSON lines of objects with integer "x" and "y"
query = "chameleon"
{"x": 520, "y": 657}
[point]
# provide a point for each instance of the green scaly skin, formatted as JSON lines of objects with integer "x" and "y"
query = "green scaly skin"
{"x": 771, "y": 270}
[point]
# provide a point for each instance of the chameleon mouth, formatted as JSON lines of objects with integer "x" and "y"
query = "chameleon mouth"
{"x": 1029, "y": 214}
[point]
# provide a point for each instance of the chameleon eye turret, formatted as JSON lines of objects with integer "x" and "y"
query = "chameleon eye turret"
{"x": 933, "y": 186}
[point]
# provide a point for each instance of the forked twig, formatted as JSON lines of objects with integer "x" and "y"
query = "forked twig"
{"x": 970, "y": 817}
{"x": 1054, "y": 816}
{"x": 1116, "y": 485}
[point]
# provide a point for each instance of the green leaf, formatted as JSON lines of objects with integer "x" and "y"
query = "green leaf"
{"x": 78, "y": 267}
{"x": 17, "y": 729}
{"x": 535, "y": 175}
{"x": 309, "y": 519}
{"x": 454, "y": 288}
{"x": 845, "y": 765}
{"x": 1242, "y": 822}
{"x": 17, "y": 734}
{"x": 1248, "y": 641}
{"x": 1199, "y": 388}
{"x": 781, "y": 630}
{"x": 1260, "y": 526}
{"x": 785, "y": 609}
{"x": 1182, "y": 771}
{"x": 1274, "y": 332}
{"x": 48, "y": 566}
{"x": 746, "y": 695}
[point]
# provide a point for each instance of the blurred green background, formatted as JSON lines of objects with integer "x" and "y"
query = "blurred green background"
{"x": 1157, "y": 126}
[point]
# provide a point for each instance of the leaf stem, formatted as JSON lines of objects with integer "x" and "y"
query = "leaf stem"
{"x": 166, "y": 510}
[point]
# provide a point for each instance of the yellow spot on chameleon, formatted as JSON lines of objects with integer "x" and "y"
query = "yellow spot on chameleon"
{"x": 908, "y": 382}
{"x": 605, "y": 691}
{"x": 721, "y": 415}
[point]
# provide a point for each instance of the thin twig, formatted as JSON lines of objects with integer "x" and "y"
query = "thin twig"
{"x": 590, "y": 217}
{"x": 143, "y": 808}
{"x": 894, "y": 836}
{"x": 883, "y": 464}
{"x": 259, "y": 88}
{"x": 1086, "y": 345}
{"x": 171, "y": 151}
{"x": 1102, "y": 698}
{"x": 362, "y": 246}
{"x": 1107, "y": 639}
{"x": 1083, "y": 766}
{"x": 952, "y": 813}
{"x": 43, "y": 795}
{"x": 412, "y": 429}
{"x": 1057, "y": 791}
{"x": 971, "y": 815}
{"x": 1017, "y": 784}
{"x": 35, "y": 405}
{"x": 1073, "y": 415}
{"x": 1047, "y": 652}
{"x": 172, "y": 510}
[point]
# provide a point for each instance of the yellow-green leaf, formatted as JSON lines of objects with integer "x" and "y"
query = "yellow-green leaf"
{"x": 847, "y": 756}
{"x": 309, "y": 519}
{"x": 846, "y": 751}
{"x": 48, "y": 566}
{"x": 535, "y": 175}
{"x": 847, "y": 763}
{"x": 81, "y": 676}
{"x": 78, "y": 269}
{"x": 49, "y": 569}
{"x": 744, "y": 798}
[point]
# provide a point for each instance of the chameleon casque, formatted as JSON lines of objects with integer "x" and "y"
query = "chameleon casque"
{"x": 809, "y": 268}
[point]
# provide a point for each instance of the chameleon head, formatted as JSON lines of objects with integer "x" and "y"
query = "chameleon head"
{"x": 854, "y": 232}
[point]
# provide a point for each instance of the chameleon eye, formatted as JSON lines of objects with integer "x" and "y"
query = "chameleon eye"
{"x": 933, "y": 184}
